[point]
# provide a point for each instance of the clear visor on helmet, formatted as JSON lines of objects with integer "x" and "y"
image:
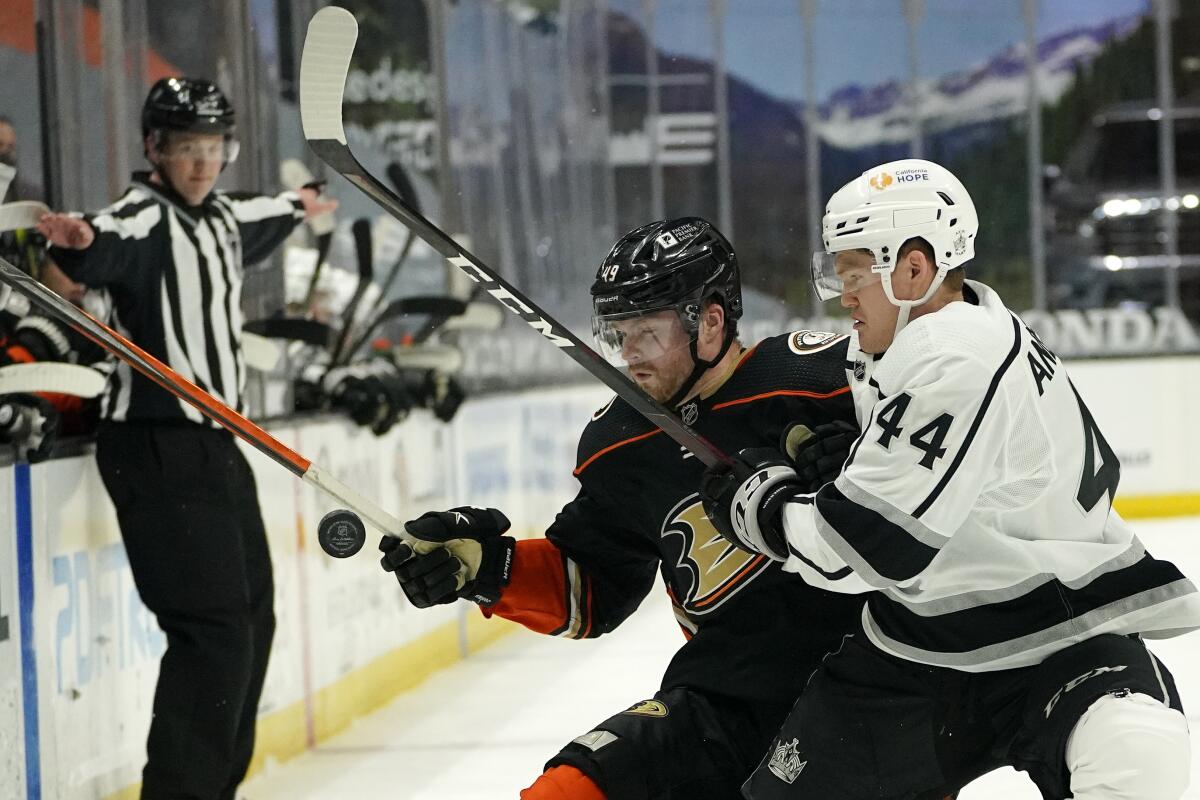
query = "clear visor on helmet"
{"x": 209, "y": 148}
{"x": 834, "y": 274}
{"x": 642, "y": 338}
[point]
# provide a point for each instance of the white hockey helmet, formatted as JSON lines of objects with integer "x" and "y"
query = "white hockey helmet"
{"x": 886, "y": 206}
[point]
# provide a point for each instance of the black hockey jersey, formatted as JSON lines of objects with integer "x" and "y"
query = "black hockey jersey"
{"x": 753, "y": 632}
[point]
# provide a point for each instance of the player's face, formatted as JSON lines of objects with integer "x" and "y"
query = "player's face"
{"x": 8, "y": 144}
{"x": 862, "y": 293}
{"x": 192, "y": 162}
{"x": 657, "y": 353}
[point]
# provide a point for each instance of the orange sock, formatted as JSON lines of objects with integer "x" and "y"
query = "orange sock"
{"x": 563, "y": 782}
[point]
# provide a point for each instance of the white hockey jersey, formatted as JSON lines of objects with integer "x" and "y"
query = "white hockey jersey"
{"x": 978, "y": 502}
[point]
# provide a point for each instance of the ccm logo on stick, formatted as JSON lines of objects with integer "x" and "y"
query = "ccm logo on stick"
{"x": 510, "y": 301}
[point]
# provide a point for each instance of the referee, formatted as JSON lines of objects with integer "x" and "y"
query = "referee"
{"x": 171, "y": 252}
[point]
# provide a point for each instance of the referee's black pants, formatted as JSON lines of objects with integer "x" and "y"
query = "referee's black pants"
{"x": 188, "y": 511}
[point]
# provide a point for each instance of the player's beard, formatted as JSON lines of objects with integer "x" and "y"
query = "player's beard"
{"x": 661, "y": 382}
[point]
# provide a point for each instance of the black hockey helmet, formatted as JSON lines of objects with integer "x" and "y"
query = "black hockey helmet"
{"x": 187, "y": 104}
{"x": 676, "y": 264}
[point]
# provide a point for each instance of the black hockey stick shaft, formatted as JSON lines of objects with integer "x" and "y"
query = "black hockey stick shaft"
{"x": 364, "y": 248}
{"x": 168, "y": 379}
{"x": 436, "y": 307}
{"x": 323, "y": 243}
{"x": 408, "y": 193}
{"x": 324, "y": 64}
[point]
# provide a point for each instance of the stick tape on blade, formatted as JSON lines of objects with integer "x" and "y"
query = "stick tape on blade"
{"x": 260, "y": 352}
{"x": 23, "y": 214}
{"x": 51, "y": 376}
{"x": 328, "y": 46}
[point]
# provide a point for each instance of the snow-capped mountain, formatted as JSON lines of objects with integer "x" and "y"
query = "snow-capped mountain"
{"x": 856, "y": 116}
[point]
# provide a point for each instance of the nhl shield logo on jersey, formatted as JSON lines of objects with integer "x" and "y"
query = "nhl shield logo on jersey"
{"x": 690, "y": 413}
{"x": 648, "y": 708}
{"x": 804, "y": 342}
{"x": 785, "y": 761}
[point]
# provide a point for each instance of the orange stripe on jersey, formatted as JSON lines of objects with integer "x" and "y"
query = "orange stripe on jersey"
{"x": 534, "y": 596}
{"x": 729, "y": 584}
{"x": 782, "y": 393}
{"x": 612, "y": 447}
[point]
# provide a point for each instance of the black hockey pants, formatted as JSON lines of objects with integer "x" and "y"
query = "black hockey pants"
{"x": 189, "y": 516}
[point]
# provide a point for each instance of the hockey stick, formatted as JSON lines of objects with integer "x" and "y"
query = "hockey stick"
{"x": 408, "y": 194}
{"x": 308, "y": 331}
{"x": 100, "y": 334}
{"x": 21, "y": 214}
{"x": 479, "y": 316}
{"x": 375, "y": 316}
{"x": 444, "y": 307}
{"x": 444, "y": 358}
{"x": 324, "y": 64}
{"x": 363, "y": 248}
{"x": 51, "y": 376}
{"x": 294, "y": 175}
{"x": 260, "y": 352}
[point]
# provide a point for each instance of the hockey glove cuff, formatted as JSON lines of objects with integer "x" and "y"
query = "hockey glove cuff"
{"x": 745, "y": 500}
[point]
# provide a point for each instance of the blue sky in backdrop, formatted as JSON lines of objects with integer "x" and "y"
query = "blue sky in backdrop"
{"x": 861, "y": 41}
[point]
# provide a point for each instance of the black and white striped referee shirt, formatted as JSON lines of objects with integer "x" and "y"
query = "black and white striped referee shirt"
{"x": 174, "y": 273}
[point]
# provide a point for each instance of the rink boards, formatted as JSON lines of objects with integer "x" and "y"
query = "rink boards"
{"x": 79, "y": 652}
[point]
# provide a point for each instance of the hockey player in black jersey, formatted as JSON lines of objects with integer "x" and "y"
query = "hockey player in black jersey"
{"x": 666, "y": 300}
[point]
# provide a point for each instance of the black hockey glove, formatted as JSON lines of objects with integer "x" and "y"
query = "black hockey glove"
{"x": 30, "y": 424}
{"x": 307, "y": 395}
{"x": 745, "y": 500}
{"x": 463, "y": 553}
{"x": 441, "y": 394}
{"x": 375, "y": 401}
{"x": 818, "y": 454}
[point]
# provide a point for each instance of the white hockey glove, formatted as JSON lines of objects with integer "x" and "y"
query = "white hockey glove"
{"x": 745, "y": 500}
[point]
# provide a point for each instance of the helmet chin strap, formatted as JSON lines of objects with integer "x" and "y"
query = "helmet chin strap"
{"x": 700, "y": 367}
{"x": 906, "y": 306}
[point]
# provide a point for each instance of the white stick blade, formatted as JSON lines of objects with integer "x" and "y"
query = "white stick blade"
{"x": 479, "y": 316}
{"x": 51, "y": 376}
{"x": 442, "y": 358}
{"x": 260, "y": 352}
{"x": 22, "y": 214}
{"x": 324, "y": 64}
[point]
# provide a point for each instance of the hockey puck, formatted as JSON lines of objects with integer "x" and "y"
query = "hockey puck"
{"x": 341, "y": 533}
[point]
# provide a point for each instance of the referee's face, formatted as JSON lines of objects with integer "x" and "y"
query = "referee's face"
{"x": 191, "y": 164}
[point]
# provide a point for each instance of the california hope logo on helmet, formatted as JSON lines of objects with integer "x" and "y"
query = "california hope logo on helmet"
{"x": 885, "y": 179}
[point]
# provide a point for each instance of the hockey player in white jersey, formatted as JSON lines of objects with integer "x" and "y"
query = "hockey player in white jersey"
{"x": 1008, "y": 600}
